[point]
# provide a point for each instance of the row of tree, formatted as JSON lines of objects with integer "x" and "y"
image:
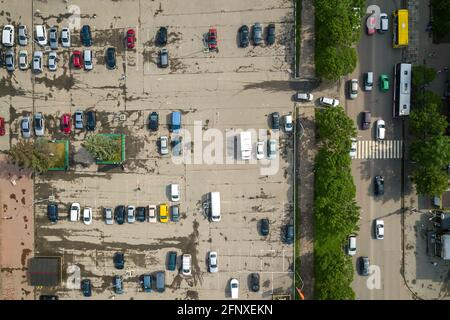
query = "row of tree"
{"x": 335, "y": 210}
{"x": 430, "y": 148}
{"x": 441, "y": 18}
{"x": 338, "y": 24}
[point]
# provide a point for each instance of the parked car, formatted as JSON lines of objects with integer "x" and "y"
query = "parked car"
{"x": 91, "y": 121}
{"x": 65, "y": 37}
{"x": 41, "y": 35}
{"x": 234, "y": 288}
{"x": 2, "y": 126}
{"x": 186, "y": 269}
{"x": 8, "y": 35}
{"x": 86, "y": 36}
{"x": 53, "y": 37}
{"x": 140, "y": 214}
{"x": 87, "y": 216}
{"x": 174, "y": 192}
{"x": 260, "y": 150}
{"x": 379, "y": 185}
{"x": 25, "y": 127}
{"x": 364, "y": 266}
{"x": 23, "y": 35}
{"x": 289, "y": 234}
{"x": 212, "y": 39}
{"x": 271, "y": 34}
{"x": 172, "y": 261}
{"x": 52, "y": 61}
{"x": 153, "y": 122}
{"x": 163, "y": 145}
{"x": 379, "y": 229}
{"x": 384, "y": 82}
{"x": 160, "y": 281}
{"x": 351, "y": 245}
{"x": 161, "y": 37}
{"x": 163, "y": 58}
{"x": 87, "y": 57}
{"x": 23, "y": 60}
{"x": 384, "y": 23}
{"x": 39, "y": 124}
{"x": 119, "y": 214}
{"x": 329, "y": 102}
{"x": 52, "y": 212}
{"x": 368, "y": 81}
{"x": 353, "y": 89}
{"x": 79, "y": 120}
{"x": 244, "y": 36}
{"x": 118, "y": 284}
{"x": 254, "y": 282}
{"x": 37, "y": 61}
{"x": 131, "y": 214}
{"x": 275, "y": 121}
{"x": 366, "y": 118}
{"x": 147, "y": 282}
{"x": 65, "y": 123}
{"x": 257, "y": 34}
{"x": 175, "y": 213}
{"x": 370, "y": 25}
{"x": 110, "y": 58}
{"x": 353, "y": 147}
{"x": 130, "y": 38}
{"x": 303, "y": 97}
{"x": 288, "y": 126}
{"x": 109, "y": 218}
{"x": 265, "y": 226}
{"x": 212, "y": 262}
{"x": 86, "y": 287}
{"x": 272, "y": 147}
{"x": 152, "y": 213}
{"x": 163, "y": 213}
{"x": 381, "y": 129}
{"x": 9, "y": 61}
{"x": 75, "y": 209}
{"x": 119, "y": 260}
{"x": 177, "y": 146}
{"x": 77, "y": 61}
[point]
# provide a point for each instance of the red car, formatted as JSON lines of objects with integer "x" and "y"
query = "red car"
{"x": 77, "y": 61}
{"x": 2, "y": 126}
{"x": 212, "y": 39}
{"x": 65, "y": 123}
{"x": 131, "y": 39}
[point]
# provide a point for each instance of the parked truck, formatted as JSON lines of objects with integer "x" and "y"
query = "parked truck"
{"x": 175, "y": 125}
{"x": 245, "y": 143}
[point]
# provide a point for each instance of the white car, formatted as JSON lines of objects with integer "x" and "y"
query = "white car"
{"x": 260, "y": 150}
{"x": 186, "y": 265}
{"x": 164, "y": 145}
{"x": 329, "y": 102}
{"x": 212, "y": 262}
{"x": 8, "y": 35}
{"x": 52, "y": 61}
{"x": 379, "y": 229}
{"x": 288, "y": 126}
{"x": 353, "y": 148}
{"x": 75, "y": 209}
{"x": 351, "y": 245}
{"x": 381, "y": 129}
{"x": 175, "y": 192}
{"x": 307, "y": 97}
{"x": 41, "y": 35}
{"x": 131, "y": 218}
{"x": 353, "y": 89}
{"x": 234, "y": 288}
{"x": 65, "y": 37}
{"x": 87, "y": 58}
{"x": 39, "y": 124}
{"x": 25, "y": 126}
{"x": 109, "y": 217}
{"x": 87, "y": 216}
{"x": 37, "y": 61}
{"x": 23, "y": 60}
{"x": 23, "y": 35}
{"x": 152, "y": 214}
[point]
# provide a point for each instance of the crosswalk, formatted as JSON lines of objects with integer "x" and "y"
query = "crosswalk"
{"x": 384, "y": 149}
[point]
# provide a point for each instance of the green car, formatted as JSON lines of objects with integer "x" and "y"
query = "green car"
{"x": 384, "y": 82}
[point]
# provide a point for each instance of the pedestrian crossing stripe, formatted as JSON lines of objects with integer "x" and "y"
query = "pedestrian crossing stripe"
{"x": 381, "y": 149}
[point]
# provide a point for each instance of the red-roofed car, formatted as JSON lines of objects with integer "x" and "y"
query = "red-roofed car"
{"x": 371, "y": 25}
{"x": 212, "y": 39}
{"x": 76, "y": 60}
{"x": 131, "y": 39}
{"x": 65, "y": 123}
{"x": 2, "y": 126}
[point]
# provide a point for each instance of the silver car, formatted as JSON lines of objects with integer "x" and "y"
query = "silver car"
{"x": 9, "y": 60}
{"x": 131, "y": 218}
{"x": 23, "y": 35}
{"x": 109, "y": 218}
{"x": 164, "y": 145}
{"x": 79, "y": 122}
{"x": 25, "y": 127}
{"x": 39, "y": 124}
{"x": 23, "y": 60}
{"x": 257, "y": 34}
{"x": 53, "y": 38}
{"x": 65, "y": 37}
{"x": 52, "y": 61}
{"x": 87, "y": 58}
{"x": 212, "y": 259}
{"x": 37, "y": 61}
{"x": 272, "y": 149}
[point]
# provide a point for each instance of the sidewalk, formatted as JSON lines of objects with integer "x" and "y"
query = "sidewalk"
{"x": 307, "y": 41}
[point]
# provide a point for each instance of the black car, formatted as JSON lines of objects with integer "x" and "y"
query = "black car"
{"x": 91, "y": 121}
{"x": 86, "y": 36}
{"x": 119, "y": 260}
{"x": 275, "y": 121}
{"x": 271, "y": 34}
{"x": 161, "y": 37}
{"x": 244, "y": 38}
{"x": 289, "y": 234}
{"x": 52, "y": 212}
{"x": 254, "y": 282}
{"x": 86, "y": 287}
{"x": 265, "y": 227}
{"x": 153, "y": 121}
{"x": 119, "y": 214}
{"x": 379, "y": 185}
{"x": 140, "y": 214}
{"x": 175, "y": 213}
{"x": 48, "y": 297}
{"x": 364, "y": 266}
{"x": 111, "y": 58}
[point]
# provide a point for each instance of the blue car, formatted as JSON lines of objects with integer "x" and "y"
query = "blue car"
{"x": 119, "y": 260}
{"x": 118, "y": 285}
{"x": 147, "y": 282}
{"x": 86, "y": 36}
{"x": 86, "y": 287}
{"x": 52, "y": 212}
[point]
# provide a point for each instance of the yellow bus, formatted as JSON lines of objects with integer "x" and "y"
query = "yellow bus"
{"x": 400, "y": 28}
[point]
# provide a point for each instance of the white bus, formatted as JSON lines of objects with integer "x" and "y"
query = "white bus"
{"x": 402, "y": 89}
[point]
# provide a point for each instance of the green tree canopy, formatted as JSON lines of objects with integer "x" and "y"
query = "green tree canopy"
{"x": 422, "y": 75}
{"x": 101, "y": 147}
{"x": 31, "y": 155}
{"x": 427, "y": 121}
{"x": 441, "y": 21}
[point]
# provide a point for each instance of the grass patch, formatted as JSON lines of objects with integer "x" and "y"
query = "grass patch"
{"x": 57, "y": 151}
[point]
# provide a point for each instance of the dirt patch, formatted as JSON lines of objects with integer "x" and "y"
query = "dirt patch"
{"x": 25, "y": 253}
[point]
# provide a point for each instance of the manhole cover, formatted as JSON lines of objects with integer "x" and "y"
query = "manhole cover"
{"x": 51, "y": 198}
{"x": 123, "y": 117}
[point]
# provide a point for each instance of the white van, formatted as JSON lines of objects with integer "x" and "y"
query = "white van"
{"x": 368, "y": 81}
{"x": 186, "y": 265}
{"x": 41, "y": 35}
{"x": 214, "y": 206}
{"x": 174, "y": 192}
{"x": 351, "y": 245}
{"x": 8, "y": 36}
{"x": 87, "y": 58}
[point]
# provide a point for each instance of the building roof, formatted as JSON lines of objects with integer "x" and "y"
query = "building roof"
{"x": 44, "y": 271}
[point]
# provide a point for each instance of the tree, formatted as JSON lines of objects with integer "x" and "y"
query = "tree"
{"x": 335, "y": 128}
{"x": 427, "y": 122}
{"x": 101, "y": 147}
{"x": 332, "y": 62}
{"x": 441, "y": 21}
{"x": 32, "y": 155}
{"x": 422, "y": 75}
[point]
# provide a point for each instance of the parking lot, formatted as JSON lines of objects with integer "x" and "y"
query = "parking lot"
{"x": 228, "y": 90}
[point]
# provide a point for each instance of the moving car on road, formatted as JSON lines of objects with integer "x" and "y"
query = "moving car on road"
{"x": 381, "y": 129}
{"x": 366, "y": 118}
{"x": 364, "y": 265}
{"x": 384, "y": 82}
{"x": 384, "y": 23}
{"x": 379, "y": 229}
{"x": 379, "y": 185}
{"x": 354, "y": 144}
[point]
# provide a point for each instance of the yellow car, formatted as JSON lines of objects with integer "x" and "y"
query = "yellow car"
{"x": 163, "y": 213}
